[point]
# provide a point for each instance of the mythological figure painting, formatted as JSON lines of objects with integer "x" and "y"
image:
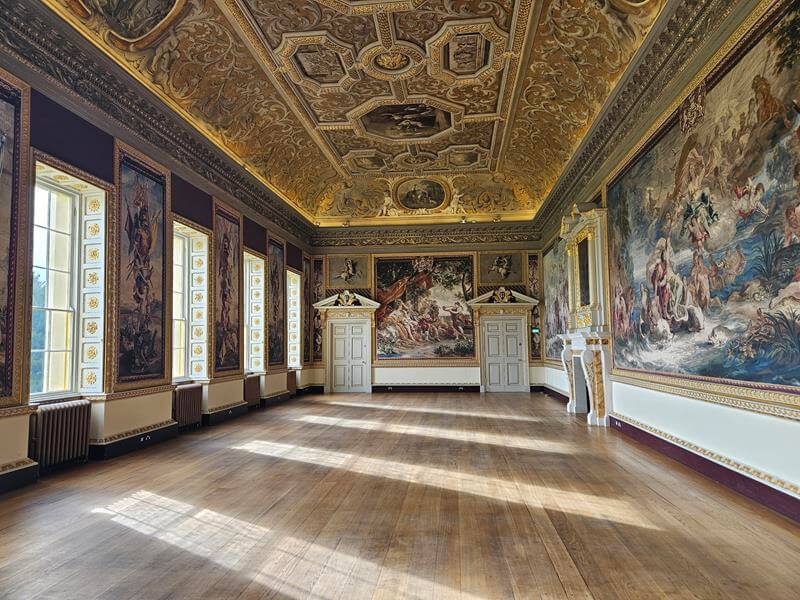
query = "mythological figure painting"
{"x": 556, "y": 299}
{"x": 705, "y": 227}
{"x": 10, "y": 123}
{"x": 535, "y": 291}
{"x": 348, "y": 272}
{"x": 277, "y": 303}
{"x": 227, "y": 291}
{"x": 142, "y": 271}
{"x": 423, "y": 312}
{"x": 317, "y": 294}
{"x": 501, "y": 268}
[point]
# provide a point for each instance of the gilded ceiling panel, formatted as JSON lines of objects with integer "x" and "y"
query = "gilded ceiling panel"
{"x": 399, "y": 110}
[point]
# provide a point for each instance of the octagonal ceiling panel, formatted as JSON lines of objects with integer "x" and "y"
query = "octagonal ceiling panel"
{"x": 332, "y": 102}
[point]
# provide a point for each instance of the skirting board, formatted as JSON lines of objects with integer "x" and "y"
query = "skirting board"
{"x": 276, "y": 399}
{"x": 219, "y": 416}
{"x": 134, "y": 442}
{"x": 311, "y": 389}
{"x": 774, "y": 499}
{"x": 549, "y": 392}
{"x": 18, "y": 478}
{"x": 426, "y": 388}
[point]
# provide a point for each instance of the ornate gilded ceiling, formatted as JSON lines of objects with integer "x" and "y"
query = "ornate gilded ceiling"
{"x": 367, "y": 112}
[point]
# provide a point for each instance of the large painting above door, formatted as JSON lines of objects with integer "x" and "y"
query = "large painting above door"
{"x": 705, "y": 226}
{"x": 423, "y": 312}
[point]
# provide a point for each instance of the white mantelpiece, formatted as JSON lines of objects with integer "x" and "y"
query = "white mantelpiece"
{"x": 586, "y": 356}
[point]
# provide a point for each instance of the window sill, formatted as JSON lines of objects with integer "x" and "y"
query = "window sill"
{"x": 68, "y": 397}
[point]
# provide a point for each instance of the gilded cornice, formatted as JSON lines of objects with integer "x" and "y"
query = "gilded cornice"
{"x": 31, "y": 35}
{"x": 687, "y": 27}
{"x": 426, "y": 235}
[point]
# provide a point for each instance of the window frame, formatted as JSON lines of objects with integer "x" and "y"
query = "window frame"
{"x": 75, "y": 244}
{"x": 187, "y": 279}
{"x": 299, "y": 276}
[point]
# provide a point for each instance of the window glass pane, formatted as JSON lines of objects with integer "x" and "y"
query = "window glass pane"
{"x": 178, "y": 309}
{"x": 61, "y": 212}
{"x": 39, "y": 247}
{"x": 58, "y": 371}
{"x": 60, "y": 251}
{"x": 179, "y": 334}
{"x": 60, "y": 332}
{"x": 177, "y": 278}
{"x": 177, "y": 250}
{"x": 178, "y": 363}
{"x": 41, "y": 206}
{"x": 58, "y": 290}
{"x": 39, "y": 292}
{"x": 37, "y": 372}
{"x": 38, "y": 329}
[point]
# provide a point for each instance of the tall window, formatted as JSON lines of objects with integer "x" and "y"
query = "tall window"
{"x": 180, "y": 287}
{"x": 53, "y": 293}
{"x": 67, "y": 284}
{"x": 293, "y": 287}
{"x": 254, "y": 267}
{"x": 189, "y": 303}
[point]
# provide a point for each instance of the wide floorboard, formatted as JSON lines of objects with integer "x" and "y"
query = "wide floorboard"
{"x": 393, "y": 496}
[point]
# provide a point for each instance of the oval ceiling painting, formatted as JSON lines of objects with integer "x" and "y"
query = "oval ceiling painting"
{"x": 416, "y": 194}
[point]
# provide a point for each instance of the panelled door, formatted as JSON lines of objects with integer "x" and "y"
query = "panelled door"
{"x": 505, "y": 360}
{"x": 350, "y": 356}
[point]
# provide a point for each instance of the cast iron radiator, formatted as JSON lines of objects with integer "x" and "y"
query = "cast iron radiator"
{"x": 61, "y": 433}
{"x": 252, "y": 390}
{"x": 187, "y": 405}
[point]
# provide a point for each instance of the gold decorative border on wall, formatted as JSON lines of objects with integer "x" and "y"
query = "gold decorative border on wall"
{"x": 775, "y": 400}
{"x": 115, "y": 230}
{"x": 234, "y": 215}
{"x": 20, "y": 236}
{"x": 16, "y": 465}
{"x": 429, "y": 362}
{"x": 768, "y": 479}
{"x": 132, "y": 432}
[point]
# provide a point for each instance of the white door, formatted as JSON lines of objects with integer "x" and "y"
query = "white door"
{"x": 350, "y": 357}
{"x": 505, "y": 361}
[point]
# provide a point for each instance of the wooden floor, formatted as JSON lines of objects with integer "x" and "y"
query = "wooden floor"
{"x": 393, "y": 496}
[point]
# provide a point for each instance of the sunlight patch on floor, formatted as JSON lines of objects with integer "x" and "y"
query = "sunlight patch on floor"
{"x": 234, "y": 544}
{"x": 595, "y": 507}
{"x": 433, "y": 411}
{"x": 478, "y": 437}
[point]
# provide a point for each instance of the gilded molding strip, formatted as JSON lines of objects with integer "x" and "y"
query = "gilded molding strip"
{"x": 16, "y": 411}
{"x": 132, "y": 432}
{"x": 225, "y": 407}
{"x": 752, "y": 472}
{"x": 16, "y": 465}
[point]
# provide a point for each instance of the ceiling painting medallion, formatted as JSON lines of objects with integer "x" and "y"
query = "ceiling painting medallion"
{"x": 418, "y": 120}
{"x": 317, "y": 60}
{"x": 132, "y": 25}
{"x": 426, "y": 194}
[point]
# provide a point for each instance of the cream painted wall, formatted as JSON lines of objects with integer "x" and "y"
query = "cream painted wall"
{"x": 769, "y": 444}
{"x": 470, "y": 375}
{"x": 310, "y": 376}
{"x": 118, "y": 417}
{"x": 273, "y": 384}
{"x": 550, "y": 377}
{"x": 222, "y": 394}
{"x": 13, "y": 439}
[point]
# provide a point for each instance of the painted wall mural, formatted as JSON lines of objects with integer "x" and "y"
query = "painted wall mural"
{"x": 423, "y": 312}
{"x": 142, "y": 280}
{"x": 705, "y": 226}
{"x": 12, "y": 152}
{"x": 227, "y": 291}
{"x": 277, "y": 303}
{"x": 317, "y": 294}
{"x": 535, "y": 291}
{"x": 556, "y": 299}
